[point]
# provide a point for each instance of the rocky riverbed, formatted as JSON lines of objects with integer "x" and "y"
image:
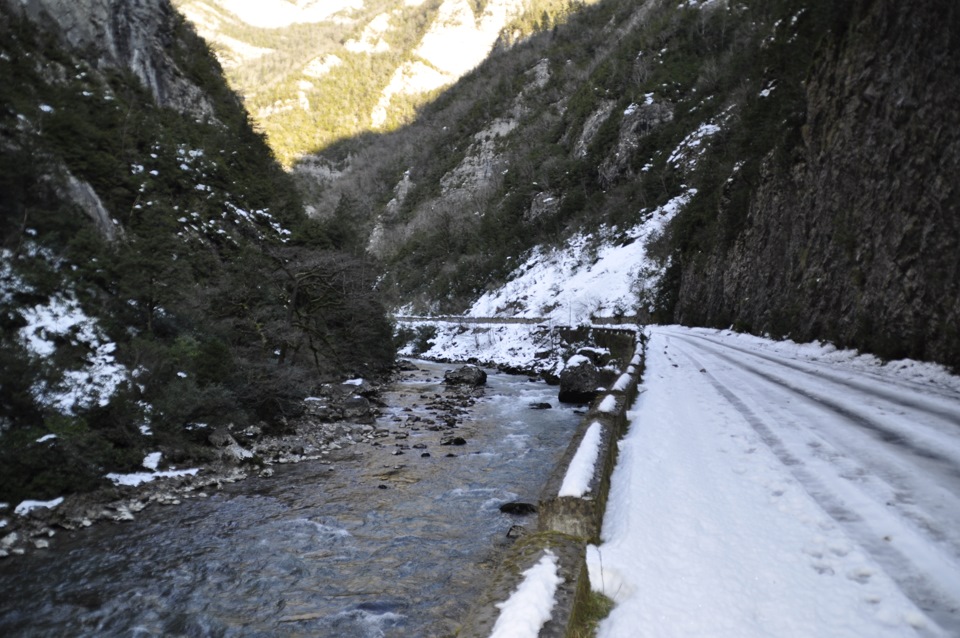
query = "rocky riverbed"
{"x": 389, "y": 528}
{"x": 342, "y": 420}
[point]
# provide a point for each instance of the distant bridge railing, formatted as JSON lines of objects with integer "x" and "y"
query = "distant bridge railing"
{"x": 625, "y": 320}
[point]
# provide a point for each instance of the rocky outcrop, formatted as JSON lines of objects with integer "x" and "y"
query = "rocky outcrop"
{"x": 638, "y": 121}
{"x": 456, "y": 42}
{"x": 137, "y": 35}
{"x": 86, "y": 198}
{"x": 230, "y": 450}
{"x": 855, "y": 238}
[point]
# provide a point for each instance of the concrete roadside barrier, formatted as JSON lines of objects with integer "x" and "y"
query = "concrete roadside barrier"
{"x": 572, "y": 503}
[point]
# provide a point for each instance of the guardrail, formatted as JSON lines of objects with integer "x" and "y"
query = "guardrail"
{"x": 594, "y": 321}
{"x": 569, "y": 519}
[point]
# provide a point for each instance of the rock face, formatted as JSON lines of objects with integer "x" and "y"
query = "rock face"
{"x": 855, "y": 238}
{"x": 230, "y": 450}
{"x": 579, "y": 380}
{"x": 87, "y": 199}
{"x": 467, "y": 375}
{"x": 137, "y": 35}
{"x": 638, "y": 121}
{"x": 457, "y": 41}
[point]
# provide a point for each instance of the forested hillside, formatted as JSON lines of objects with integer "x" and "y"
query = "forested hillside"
{"x": 158, "y": 276}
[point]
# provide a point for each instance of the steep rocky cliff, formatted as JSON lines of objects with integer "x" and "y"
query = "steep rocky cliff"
{"x": 138, "y": 35}
{"x": 851, "y": 233}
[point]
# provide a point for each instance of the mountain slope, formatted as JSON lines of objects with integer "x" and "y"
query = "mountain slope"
{"x": 314, "y": 73}
{"x": 158, "y": 278}
{"x": 810, "y": 143}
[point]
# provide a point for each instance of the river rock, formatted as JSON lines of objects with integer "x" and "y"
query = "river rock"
{"x": 9, "y": 540}
{"x": 579, "y": 380}
{"x": 540, "y": 406}
{"x": 467, "y": 375}
{"x": 518, "y": 508}
{"x": 516, "y": 531}
{"x": 230, "y": 450}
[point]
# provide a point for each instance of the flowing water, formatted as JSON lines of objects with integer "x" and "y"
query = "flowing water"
{"x": 376, "y": 544}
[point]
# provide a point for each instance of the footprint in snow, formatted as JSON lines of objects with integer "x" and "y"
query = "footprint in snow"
{"x": 823, "y": 569}
{"x": 860, "y": 575}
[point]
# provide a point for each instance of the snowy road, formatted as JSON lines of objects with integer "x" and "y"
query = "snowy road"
{"x": 772, "y": 489}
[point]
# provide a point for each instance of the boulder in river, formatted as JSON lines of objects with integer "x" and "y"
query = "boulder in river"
{"x": 579, "y": 380}
{"x": 467, "y": 375}
{"x": 516, "y": 531}
{"x": 406, "y": 366}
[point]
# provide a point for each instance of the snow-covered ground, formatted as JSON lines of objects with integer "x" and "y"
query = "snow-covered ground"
{"x": 777, "y": 489}
{"x": 589, "y": 277}
{"x": 769, "y": 488}
{"x": 151, "y": 462}
{"x": 62, "y": 320}
{"x": 513, "y": 345}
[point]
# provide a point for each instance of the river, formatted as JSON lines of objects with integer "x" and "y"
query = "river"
{"x": 391, "y": 540}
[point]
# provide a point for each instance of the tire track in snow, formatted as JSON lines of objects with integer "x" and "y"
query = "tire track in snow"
{"x": 937, "y": 598}
{"x": 947, "y": 465}
{"x": 945, "y": 469}
{"x": 932, "y": 405}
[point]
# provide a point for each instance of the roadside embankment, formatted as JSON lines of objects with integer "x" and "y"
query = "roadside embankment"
{"x": 571, "y": 509}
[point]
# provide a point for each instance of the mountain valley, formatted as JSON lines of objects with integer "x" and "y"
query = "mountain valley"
{"x": 207, "y": 216}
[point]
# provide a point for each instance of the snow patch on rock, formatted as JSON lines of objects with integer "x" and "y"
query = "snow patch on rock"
{"x": 320, "y": 66}
{"x": 371, "y": 40}
{"x": 138, "y": 478}
{"x": 531, "y": 605}
{"x": 26, "y": 507}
